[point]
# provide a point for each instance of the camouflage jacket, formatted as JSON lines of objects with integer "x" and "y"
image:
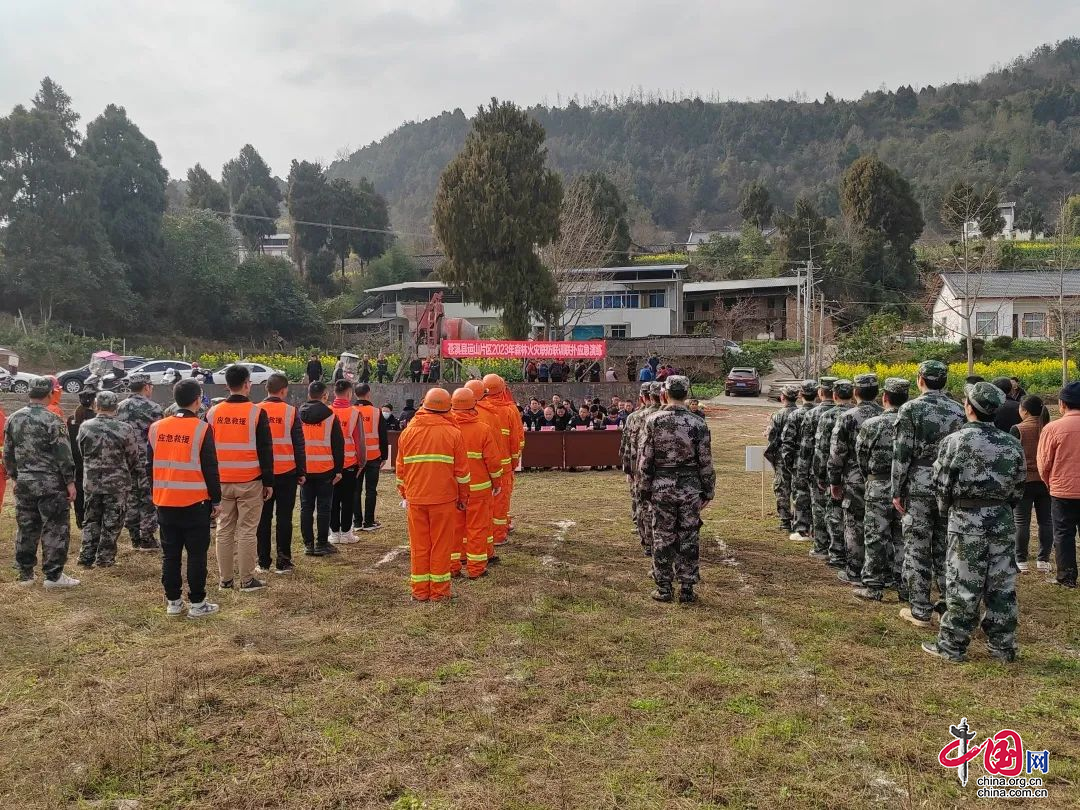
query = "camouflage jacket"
{"x": 921, "y": 424}
{"x": 631, "y": 435}
{"x": 791, "y": 436}
{"x": 110, "y": 456}
{"x": 37, "y": 450}
{"x": 140, "y": 413}
{"x": 809, "y": 437}
{"x": 874, "y": 445}
{"x": 980, "y": 462}
{"x": 819, "y": 469}
{"x": 676, "y": 443}
{"x": 842, "y": 465}
{"x": 776, "y": 430}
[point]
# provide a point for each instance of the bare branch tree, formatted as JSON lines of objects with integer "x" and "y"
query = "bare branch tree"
{"x": 732, "y": 321}
{"x": 1064, "y": 309}
{"x": 584, "y": 239}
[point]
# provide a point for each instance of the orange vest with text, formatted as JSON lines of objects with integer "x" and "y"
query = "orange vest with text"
{"x": 371, "y": 415}
{"x": 178, "y": 479}
{"x": 348, "y": 416}
{"x": 320, "y": 456}
{"x": 233, "y": 424}
{"x": 281, "y": 416}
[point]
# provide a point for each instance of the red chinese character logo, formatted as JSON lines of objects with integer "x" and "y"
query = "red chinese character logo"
{"x": 1003, "y": 754}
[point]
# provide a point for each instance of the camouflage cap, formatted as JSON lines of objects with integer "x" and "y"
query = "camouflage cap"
{"x": 106, "y": 400}
{"x": 677, "y": 385}
{"x": 646, "y": 388}
{"x": 655, "y": 388}
{"x": 843, "y": 388}
{"x": 139, "y": 379}
{"x": 897, "y": 385}
{"x": 826, "y": 383}
{"x": 809, "y": 388}
{"x": 984, "y": 397}
{"x": 933, "y": 370}
{"x": 790, "y": 391}
{"x": 866, "y": 380}
{"x": 39, "y": 387}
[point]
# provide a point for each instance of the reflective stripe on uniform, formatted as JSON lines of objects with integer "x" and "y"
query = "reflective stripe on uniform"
{"x": 439, "y": 577}
{"x": 478, "y": 487}
{"x": 472, "y": 454}
{"x": 476, "y": 557}
{"x": 420, "y": 577}
{"x": 466, "y": 478}
{"x": 434, "y": 457}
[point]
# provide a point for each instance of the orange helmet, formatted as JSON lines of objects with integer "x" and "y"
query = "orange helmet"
{"x": 477, "y": 388}
{"x": 463, "y": 400}
{"x": 437, "y": 400}
{"x": 494, "y": 384}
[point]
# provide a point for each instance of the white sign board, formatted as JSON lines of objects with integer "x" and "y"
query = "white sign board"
{"x": 755, "y": 459}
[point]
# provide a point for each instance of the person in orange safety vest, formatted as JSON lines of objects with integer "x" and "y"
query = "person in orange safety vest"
{"x": 289, "y": 467}
{"x": 433, "y": 479}
{"x": 485, "y": 470}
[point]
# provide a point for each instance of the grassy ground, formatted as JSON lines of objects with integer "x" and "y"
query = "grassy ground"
{"x": 555, "y": 683}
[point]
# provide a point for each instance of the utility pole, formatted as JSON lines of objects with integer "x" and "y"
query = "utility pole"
{"x": 808, "y": 313}
{"x": 798, "y": 307}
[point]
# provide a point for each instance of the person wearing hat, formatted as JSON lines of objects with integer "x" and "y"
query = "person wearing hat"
{"x": 1008, "y": 414}
{"x": 846, "y": 479}
{"x": 485, "y": 470}
{"x": 1059, "y": 467}
{"x": 111, "y": 461}
{"x": 139, "y": 411}
{"x": 433, "y": 479}
{"x": 819, "y": 498}
{"x": 882, "y": 536}
{"x": 678, "y": 479}
{"x": 781, "y": 475}
{"x": 921, "y": 425}
{"x": 791, "y": 443}
{"x": 407, "y": 413}
{"x": 84, "y": 411}
{"x": 979, "y": 477}
{"x": 501, "y": 413}
{"x": 843, "y": 390}
{"x": 628, "y": 454}
{"x": 37, "y": 459}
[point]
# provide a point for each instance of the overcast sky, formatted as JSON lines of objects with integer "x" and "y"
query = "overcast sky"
{"x": 304, "y": 79}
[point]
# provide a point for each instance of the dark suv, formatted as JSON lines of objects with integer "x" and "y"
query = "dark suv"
{"x": 742, "y": 381}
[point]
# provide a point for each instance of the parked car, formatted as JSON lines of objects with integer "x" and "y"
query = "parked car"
{"x": 20, "y": 383}
{"x": 73, "y": 379}
{"x": 259, "y": 372}
{"x": 742, "y": 381}
{"x": 732, "y": 347}
{"x": 6, "y": 380}
{"x": 156, "y": 370}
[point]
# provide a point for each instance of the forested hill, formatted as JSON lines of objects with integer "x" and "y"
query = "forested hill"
{"x": 1016, "y": 128}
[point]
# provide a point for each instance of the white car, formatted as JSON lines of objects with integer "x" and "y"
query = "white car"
{"x": 156, "y": 369}
{"x": 732, "y": 346}
{"x": 259, "y": 373}
{"x": 18, "y": 383}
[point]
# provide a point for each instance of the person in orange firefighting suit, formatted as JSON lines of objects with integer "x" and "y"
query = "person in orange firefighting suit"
{"x": 486, "y": 470}
{"x": 503, "y": 415}
{"x": 433, "y": 479}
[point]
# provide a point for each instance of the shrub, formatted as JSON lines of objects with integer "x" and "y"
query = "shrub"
{"x": 1041, "y": 377}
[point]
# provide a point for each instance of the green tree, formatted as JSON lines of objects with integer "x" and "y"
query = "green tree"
{"x": 874, "y": 197}
{"x": 964, "y": 203}
{"x": 309, "y": 200}
{"x": 393, "y": 267}
{"x": 273, "y": 297}
{"x": 200, "y": 289}
{"x": 131, "y": 194}
{"x": 57, "y": 257}
{"x": 608, "y": 205}
{"x": 803, "y": 233}
{"x": 755, "y": 205}
{"x": 320, "y": 272}
{"x": 256, "y": 217}
{"x": 496, "y": 203}
{"x": 203, "y": 191}
{"x": 1069, "y": 216}
{"x": 1030, "y": 218}
{"x": 253, "y": 194}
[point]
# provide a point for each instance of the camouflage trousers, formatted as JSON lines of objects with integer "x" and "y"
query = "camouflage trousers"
{"x": 854, "y": 514}
{"x": 674, "y": 514}
{"x": 821, "y": 526}
{"x": 802, "y": 517}
{"x": 102, "y": 521}
{"x": 641, "y": 511}
{"x": 45, "y": 519}
{"x": 782, "y": 490}
{"x": 980, "y": 568}
{"x": 882, "y": 537}
{"x": 834, "y": 522}
{"x": 924, "y": 552}
{"x": 141, "y": 519}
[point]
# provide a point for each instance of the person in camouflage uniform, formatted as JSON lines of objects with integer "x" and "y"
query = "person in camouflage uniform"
{"x": 678, "y": 480}
{"x": 37, "y": 457}
{"x": 842, "y": 392}
{"x": 791, "y": 440}
{"x": 111, "y": 461}
{"x": 884, "y": 540}
{"x": 819, "y": 499}
{"x": 979, "y": 478}
{"x": 846, "y": 480}
{"x": 140, "y": 412}
{"x": 628, "y": 452}
{"x": 781, "y": 474}
{"x": 921, "y": 424}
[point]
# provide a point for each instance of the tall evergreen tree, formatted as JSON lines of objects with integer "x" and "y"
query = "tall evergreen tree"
{"x": 253, "y": 194}
{"x": 496, "y": 203}
{"x": 755, "y": 205}
{"x": 608, "y": 205}
{"x": 204, "y": 191}
{"x": 309, "y": 200}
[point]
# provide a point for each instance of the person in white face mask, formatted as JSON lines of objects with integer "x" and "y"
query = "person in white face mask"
{"x": 392, "y": 422}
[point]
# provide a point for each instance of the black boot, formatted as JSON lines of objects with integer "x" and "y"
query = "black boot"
{"x": 686, "y": 594}
{"x": 663, "y": 593}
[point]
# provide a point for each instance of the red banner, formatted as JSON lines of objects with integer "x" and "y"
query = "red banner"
{"x": 526, "y": 349}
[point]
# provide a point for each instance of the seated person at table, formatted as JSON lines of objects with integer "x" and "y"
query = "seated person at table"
{"x": 562, "y": 418}
{"x": 546, "y": 420}
{"x": 601, "y": 422}
{"x": 582, "y": 420}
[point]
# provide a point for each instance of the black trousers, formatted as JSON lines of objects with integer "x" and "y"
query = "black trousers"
{"x": 344, "y": 501}
{"x": 367, "y": 486}
{"x": 183, "y": 530}
{"x": 1066, "y": 515}
{"x": 414, "y": 376}
{"x": 315, "y": 497}
{"x": 1037, "y": 497}
{"x": 281, "y": 505}
{"x": 382, "y": 374}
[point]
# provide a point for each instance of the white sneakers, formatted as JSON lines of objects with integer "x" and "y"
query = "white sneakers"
{"x": 202, "y": 609}
{"x": 1022, "y": 566}
{"x": 343, "y": 538}
{"x": 799, "y": 538}
{"x": 174, "y": 608}
{"x": 1043, "y": 565}
{"x": 62, "y": 581}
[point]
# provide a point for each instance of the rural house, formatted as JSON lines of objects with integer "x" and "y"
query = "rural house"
{"x": 1020, "y": 304}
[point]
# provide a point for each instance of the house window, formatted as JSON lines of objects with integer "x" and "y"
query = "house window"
{"x": 656, "y": 298}
{"x": 986, "y": 324}
{"x": 1033, "y": 325}
{"x": 633, "y": 301}
{"x": 705, "y": 305}
{"x": 618, "y": 331}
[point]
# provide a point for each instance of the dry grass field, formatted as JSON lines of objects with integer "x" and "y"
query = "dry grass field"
{"x": 554, "y": 683}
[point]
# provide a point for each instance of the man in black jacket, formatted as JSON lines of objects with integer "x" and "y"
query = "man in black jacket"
{"x": 314, "y": 368}
{"x": 1007, "y": 414}
{"x": 317, "y": 491}
{"x": 288, "y": 475}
